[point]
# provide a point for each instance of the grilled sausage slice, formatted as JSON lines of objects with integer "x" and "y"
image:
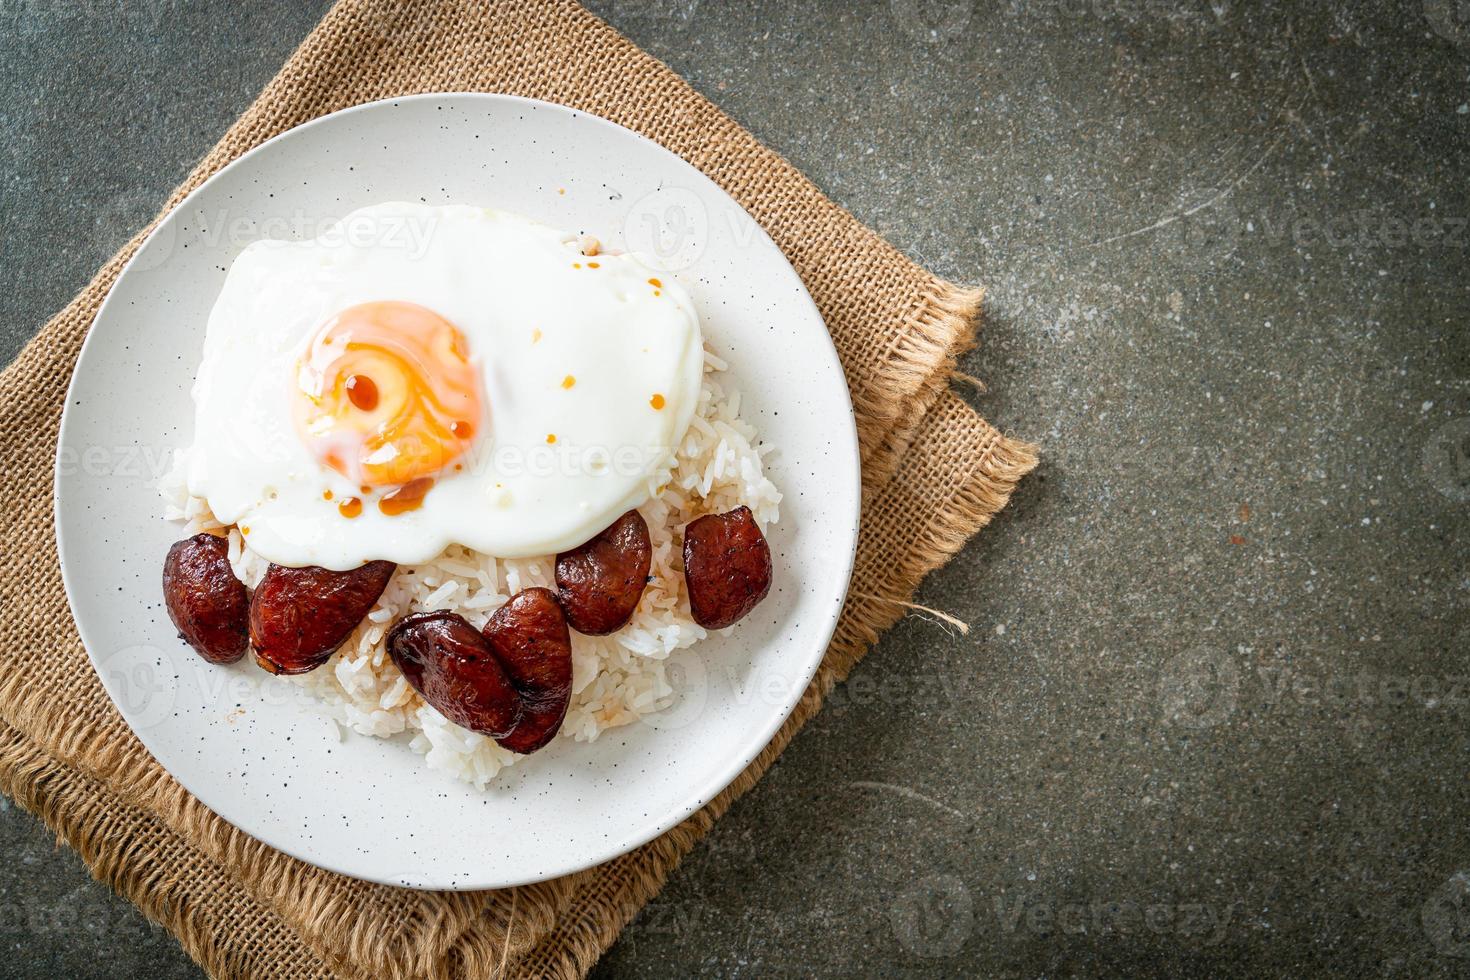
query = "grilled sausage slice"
{"x": 600, "y": 583}
{"x": 727, "y": 566}
{"x": 450, "y": 663}
{"x": 206, "y": 602}
{"x": 512, "y": 682}
{"x": 530, "y": 639}
{"x": 299, "y": 616}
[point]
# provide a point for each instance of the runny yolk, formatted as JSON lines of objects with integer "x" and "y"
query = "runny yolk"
{"x": 408, "y": 497}
{"x": 386, "y": 393}
{"x": 350, "y": 507}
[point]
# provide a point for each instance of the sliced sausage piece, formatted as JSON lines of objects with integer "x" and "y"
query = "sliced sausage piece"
{"x": 530, "y": 639}
{"x": 299, "y": 616}
{"x": 206, "y": 602}
{"x": 512, "y": 682}
{"x": 727, "y": 566}
{"x": 452, "y": 665}
{"x": 600, "y": 583}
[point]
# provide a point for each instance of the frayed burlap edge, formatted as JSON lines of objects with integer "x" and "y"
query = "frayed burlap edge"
{"x": 944, "y": 328}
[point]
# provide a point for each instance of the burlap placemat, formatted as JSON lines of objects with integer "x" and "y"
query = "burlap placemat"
{"x": 934, "y": 473}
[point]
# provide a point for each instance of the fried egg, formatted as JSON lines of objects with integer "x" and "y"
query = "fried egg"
{"x": 424, "y": 376}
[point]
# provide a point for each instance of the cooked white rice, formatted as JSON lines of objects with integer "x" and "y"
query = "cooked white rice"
{"x": 615, "y": 679}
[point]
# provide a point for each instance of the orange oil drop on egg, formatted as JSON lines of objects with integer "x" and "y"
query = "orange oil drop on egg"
{"x": 657, "y": 401}
{"x": 362, "y": 392}
{"x": 350, "y": 507}
{"x": 408, "y": 497}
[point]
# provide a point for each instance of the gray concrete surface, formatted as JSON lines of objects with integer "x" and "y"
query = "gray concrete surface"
{"x": 1211, "y": 719}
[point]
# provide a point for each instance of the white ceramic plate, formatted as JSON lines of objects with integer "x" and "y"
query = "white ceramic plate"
{"x": 252, "y": 747}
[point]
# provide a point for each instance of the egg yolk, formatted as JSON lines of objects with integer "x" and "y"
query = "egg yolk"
{"x": 386, "y": 394}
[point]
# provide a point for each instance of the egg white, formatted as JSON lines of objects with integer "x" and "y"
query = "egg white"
{"x": 531, "y": 318}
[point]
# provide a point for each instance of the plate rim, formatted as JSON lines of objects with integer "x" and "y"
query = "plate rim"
{"x": 706, "y": 789}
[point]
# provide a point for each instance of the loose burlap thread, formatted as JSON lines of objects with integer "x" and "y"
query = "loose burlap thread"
{"x": 934, "y": 472}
